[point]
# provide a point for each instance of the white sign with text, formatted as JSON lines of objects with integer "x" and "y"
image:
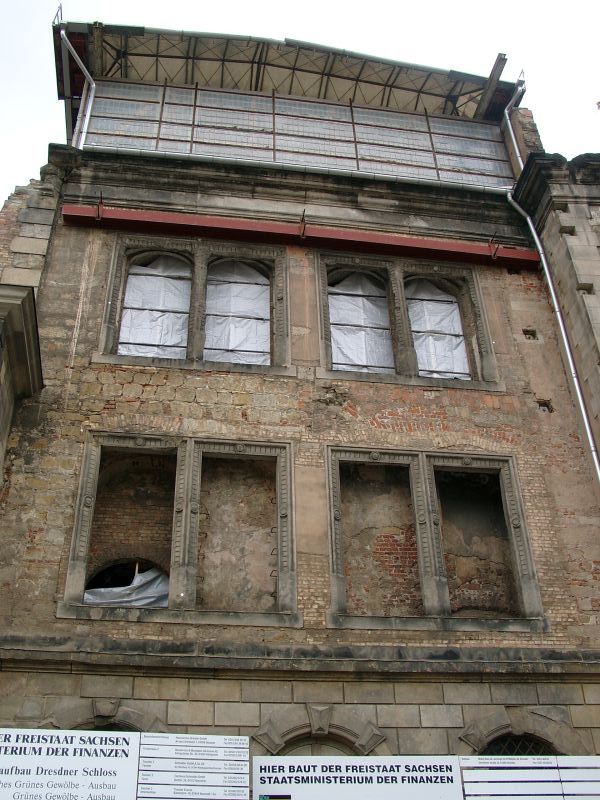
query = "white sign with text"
{"x": 356, "y": 778}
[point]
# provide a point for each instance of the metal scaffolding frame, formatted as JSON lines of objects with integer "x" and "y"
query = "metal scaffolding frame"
{"x": 289, "y": 67}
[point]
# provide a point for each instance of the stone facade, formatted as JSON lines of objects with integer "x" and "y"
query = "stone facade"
{"x": 335, "y": 571}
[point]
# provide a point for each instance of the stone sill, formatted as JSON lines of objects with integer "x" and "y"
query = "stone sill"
{"x": 275, "y": 619}
{"x": 200, "y": 366}
{"x": 524, "y": 625}
{"x": 408, "y": 380}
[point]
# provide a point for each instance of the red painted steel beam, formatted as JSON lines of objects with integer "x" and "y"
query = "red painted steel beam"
{"x": 299, "y": 233}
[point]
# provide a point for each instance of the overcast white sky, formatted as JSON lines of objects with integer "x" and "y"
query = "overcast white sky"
{"x": 556, "y": 45}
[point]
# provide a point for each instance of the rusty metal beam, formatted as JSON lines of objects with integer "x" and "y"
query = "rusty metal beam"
{"x": 299, "y": 233}
{"x": 490, "y": 87}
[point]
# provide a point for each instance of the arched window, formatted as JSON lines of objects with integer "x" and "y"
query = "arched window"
{"x": 317, "y": 746}
{"x": 437, "y": 330}
{"x": 510, "y": 744}
{"x": 156, "y": 307}
{"x": 238, "y": 313}
{"x": 133, "y": 582}
{"x": 360, "y": 324}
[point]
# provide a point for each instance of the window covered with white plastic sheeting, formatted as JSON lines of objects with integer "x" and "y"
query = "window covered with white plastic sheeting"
{"x": 238, "y": 313}
{"x": 360, "y": 324}
{"x": 437, "y": 330}
{"x": 149, "y": 588}
{"x": 156, "y": 307}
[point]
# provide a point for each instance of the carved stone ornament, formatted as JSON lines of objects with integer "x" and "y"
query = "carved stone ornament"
{"x": 369, "y": 738}
{"x": 320, "y": 719}
{"x": 270, "y": 737}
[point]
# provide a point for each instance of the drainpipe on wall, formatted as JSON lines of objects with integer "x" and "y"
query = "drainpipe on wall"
{"x": 517, "y": 95}
{"x": 88, "y": 94}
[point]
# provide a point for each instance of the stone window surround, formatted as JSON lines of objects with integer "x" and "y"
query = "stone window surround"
{"x": 459, "y": 280}
{"x": 432, "y": 571}
{"x": 201, "y": 253}
{"x": 184, "y": 543}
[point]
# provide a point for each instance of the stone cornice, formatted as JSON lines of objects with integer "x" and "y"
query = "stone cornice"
{"x": 77, "y": 653}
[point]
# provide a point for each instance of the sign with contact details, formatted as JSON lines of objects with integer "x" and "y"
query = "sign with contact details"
{"x": 121, "y": 765}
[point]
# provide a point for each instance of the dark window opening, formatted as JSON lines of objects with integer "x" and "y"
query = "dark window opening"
{"x": 476, "y": 544}
{"x": 133, "y": 514}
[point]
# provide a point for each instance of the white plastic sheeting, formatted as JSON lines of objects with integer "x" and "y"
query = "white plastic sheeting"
{"x": 360, "y": 325}
{"x": 150, "y": 588}
{"x": 307, "y": 132}
{"x": 238, "y": 303}
{"x": 436, "y": 330}
{"x": 156, "y": 307}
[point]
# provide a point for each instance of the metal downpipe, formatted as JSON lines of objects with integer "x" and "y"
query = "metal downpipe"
{"x": 517, "y": 95}
{"x": 88, "y": 97}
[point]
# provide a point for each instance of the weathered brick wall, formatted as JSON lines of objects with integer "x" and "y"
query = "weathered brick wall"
{"x": 312, "y": 413}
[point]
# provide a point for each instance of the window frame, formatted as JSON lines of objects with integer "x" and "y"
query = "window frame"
{"x": 184, "y": 531}
{"x": 200, "y": 253}
{"x": 460, "y": 280}
{"x": 430, "y": 551}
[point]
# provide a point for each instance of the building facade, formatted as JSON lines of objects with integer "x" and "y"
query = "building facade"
{"x": 306, "y": 464}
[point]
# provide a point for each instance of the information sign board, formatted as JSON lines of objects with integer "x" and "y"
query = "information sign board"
{"x": 121, "y": 765}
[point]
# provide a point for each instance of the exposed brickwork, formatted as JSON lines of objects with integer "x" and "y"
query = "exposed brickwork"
{"x": 310, "y": 413}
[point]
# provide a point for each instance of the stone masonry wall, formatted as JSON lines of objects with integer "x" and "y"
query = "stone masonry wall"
{"x": 414, "y": 716}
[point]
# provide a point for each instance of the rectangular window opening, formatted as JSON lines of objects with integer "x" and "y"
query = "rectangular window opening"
{"x": 477, "y": 550}
{"x": 130, "y": 539}
{"x": 379, "y": 541}
{"x": 238, "y": 535}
